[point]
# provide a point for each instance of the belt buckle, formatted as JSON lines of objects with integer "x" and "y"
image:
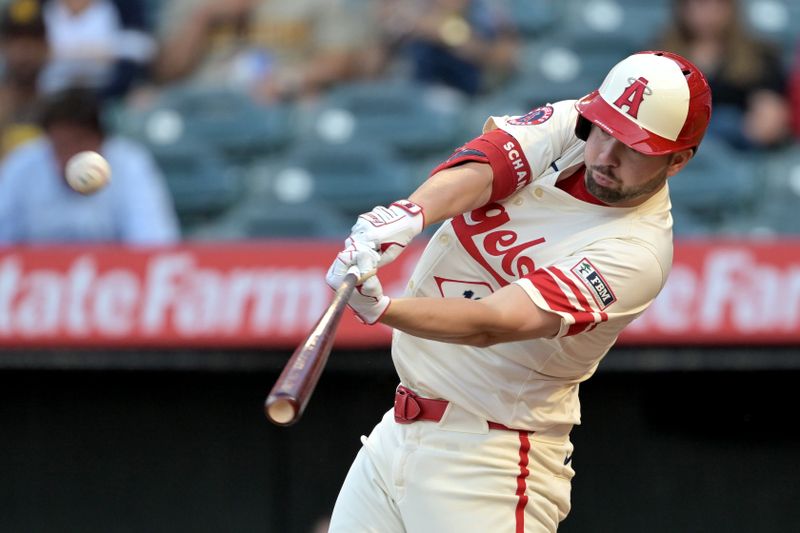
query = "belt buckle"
{"x": 406, "y": 407}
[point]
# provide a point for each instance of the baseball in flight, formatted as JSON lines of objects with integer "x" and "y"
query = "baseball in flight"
{"x": 87, "y": 172}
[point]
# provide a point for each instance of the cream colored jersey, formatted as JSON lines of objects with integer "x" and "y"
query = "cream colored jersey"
{"x": 598, "y": 267}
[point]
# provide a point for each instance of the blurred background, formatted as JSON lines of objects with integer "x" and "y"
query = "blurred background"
{"x": 142, "y": 327}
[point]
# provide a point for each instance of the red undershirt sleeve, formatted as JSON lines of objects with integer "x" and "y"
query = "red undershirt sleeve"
{"x": 510, "y": 169}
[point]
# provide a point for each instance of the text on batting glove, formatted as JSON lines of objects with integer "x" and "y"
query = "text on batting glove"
{"x": 389, "y": 229}
{"x": 367, "y": 300}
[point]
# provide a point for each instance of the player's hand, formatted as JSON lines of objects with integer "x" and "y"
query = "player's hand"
{"x": 389, "y": 229}
{"x": 367, "y": 301}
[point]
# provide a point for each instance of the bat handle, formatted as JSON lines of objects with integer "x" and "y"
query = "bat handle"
{"x": 351, "y": 279}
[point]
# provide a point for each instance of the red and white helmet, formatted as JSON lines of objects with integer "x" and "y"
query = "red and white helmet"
{"x": 655, "y": 102}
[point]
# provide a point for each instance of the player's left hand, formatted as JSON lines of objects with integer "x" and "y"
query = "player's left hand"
{"x": 367, "y": 301}
{"x": 389, "y": 229}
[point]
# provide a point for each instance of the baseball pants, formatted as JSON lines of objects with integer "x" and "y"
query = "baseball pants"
{"x": 427, "y": 478}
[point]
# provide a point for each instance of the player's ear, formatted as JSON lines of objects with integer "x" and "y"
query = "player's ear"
{"x": 678, "y": 160}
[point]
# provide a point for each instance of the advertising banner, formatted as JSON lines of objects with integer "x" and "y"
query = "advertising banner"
{"x": 270, "y": 294}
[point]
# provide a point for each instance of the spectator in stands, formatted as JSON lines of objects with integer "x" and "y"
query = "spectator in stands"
{"x": 467, "y": 45}
{"x": 748, "y": 81}
{"x": 24, "y": 53}
{"x": 101, "y": 44}
{"x": 37, "y": 205}
{"x": 274, "y": 49}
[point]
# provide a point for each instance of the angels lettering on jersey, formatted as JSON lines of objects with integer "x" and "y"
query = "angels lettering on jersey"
{"x": 580, "y": 292}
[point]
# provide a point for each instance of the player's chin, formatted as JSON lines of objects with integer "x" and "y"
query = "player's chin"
{"x": 605, "y": 194}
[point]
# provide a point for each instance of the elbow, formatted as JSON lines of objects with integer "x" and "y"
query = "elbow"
{"x": 481, "y": 340}
{"x": 488, "y": 331}
{"x": 485, "y": 339}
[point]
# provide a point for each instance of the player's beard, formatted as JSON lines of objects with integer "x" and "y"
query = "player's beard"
{"x": 619, "y": 193}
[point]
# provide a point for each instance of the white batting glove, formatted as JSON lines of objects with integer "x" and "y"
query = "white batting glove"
{"x": 389, "y": 229}
{"x": 367, "y": 300}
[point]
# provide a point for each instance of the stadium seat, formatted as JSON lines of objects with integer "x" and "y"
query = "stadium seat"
{"x": 638, "y": 23}
{"x": 778, "y": 209}
{"x": 782, "y": 168}
{"x": 718, "y": 184}
{"x": 687, "y": 224}
{"x": 535, "y": 18}
{"x": 530, "y": 91}
{"x": 596, "y": 36}
{"x": 774, "y": 20}
{"x": 565, "y": 68}
{"x": 256, "y": 219}
{"x": 351, "y": 177}
{"x": 411, "y": 118}
{"x": 198, "y": 179}
{"x": 228, "y": 120}
{"x": 599, "y": 52}
{"x": 779, "y": 217}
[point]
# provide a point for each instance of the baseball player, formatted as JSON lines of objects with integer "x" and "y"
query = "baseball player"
{"x": 557, "y": 234}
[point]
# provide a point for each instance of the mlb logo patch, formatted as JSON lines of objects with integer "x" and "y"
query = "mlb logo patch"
{"x": 598, "y": 287}
{"x": 539, "y": 115}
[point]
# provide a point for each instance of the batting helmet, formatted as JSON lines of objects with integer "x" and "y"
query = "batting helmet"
{"x": 655, "y": 102}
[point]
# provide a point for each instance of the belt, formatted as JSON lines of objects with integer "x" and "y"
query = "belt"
{"x": 409, "y": 408}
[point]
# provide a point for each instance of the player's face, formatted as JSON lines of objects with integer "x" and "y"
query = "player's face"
{"x": 619, "y": 175}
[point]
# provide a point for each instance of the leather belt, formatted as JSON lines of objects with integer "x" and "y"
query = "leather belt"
{"x": 409, "y": 408}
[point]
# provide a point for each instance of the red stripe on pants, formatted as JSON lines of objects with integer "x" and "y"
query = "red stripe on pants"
{"x": 524, "y": 448}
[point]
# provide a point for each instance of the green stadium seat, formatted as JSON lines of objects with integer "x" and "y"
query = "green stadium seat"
{"x": 201, "y": 184}
{"x": 531, "y": 90}
{"x": 633, "y": 21}
{"x": 351, "y": 177}
{"x": 227, "y": 120}
{"x": 411, "y": 118}
{"x": 776, "y": 21}
{"x": 718, "y": 184}
{"x": 687, "y": 224}
{"x": 536, "y": 18}
{"x": 255, "y": 219}
{"x": 778, "y": 209}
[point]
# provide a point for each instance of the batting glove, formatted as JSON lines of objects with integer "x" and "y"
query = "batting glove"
{"x": 389, "y": 229}
{"x": 367, "y": 300}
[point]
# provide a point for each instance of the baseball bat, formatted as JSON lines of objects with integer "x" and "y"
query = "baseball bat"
{"x": 289, "y": 396}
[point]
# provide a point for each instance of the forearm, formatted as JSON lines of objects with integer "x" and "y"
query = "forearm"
{"x": 453, "y": 320}
{"x": 453, "y": 191}
{"x": 506, "y": 315}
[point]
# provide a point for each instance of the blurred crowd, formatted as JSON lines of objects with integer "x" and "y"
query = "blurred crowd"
{"x": 230, "y": 119}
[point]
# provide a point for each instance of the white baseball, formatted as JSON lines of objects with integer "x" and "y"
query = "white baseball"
{"x": 87, "y": 172}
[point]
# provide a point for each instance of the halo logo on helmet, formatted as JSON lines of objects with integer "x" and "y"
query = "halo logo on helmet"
{"x": 632, "y": 96}
{"x": 655, "y": 102}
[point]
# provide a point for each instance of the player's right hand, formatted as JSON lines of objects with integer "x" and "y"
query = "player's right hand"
{"x": 367, "y": 300}
{"x": 389, "y": 229}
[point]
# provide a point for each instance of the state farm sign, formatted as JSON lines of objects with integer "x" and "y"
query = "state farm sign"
{"x": 271, "y": 294}
{"x": 222, "y": 295}
{"x": 726, "y": 293}
{"x": 172, "y": 292}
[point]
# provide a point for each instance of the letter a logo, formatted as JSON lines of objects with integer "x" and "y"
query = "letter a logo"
{"x": 632, "y": 96}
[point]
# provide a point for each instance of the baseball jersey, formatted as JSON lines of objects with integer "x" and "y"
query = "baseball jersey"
{"x": 598, "y": 267}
